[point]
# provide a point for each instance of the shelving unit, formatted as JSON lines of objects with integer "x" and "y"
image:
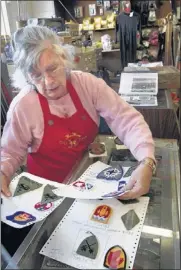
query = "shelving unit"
{"x": 113, "y": 50}
{"x": 104, "y": 29}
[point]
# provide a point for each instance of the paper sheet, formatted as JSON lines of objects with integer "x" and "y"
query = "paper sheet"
{"x": 141, "y": 100}
{"x": 154, "y": 64}
{"x": 15, "y": 207}
{"x": 100, "y": 187}
{"x": 139, "y": 83}
{"x": 24, "y": 210}
{"x": 73, "y": 228}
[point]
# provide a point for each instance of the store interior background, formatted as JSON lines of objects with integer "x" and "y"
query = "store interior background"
{"x": 15, "y": 14}
{"x": 163, "y": 120}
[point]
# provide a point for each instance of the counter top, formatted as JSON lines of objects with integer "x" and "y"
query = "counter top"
{"x": 162, "y": 119}
{"x": 159, "y": 246}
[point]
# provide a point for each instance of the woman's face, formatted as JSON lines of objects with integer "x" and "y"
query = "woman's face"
{"x": 50, "y": 77}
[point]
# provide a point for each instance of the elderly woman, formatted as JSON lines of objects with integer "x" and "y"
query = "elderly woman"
{"x": 55, "y": 116}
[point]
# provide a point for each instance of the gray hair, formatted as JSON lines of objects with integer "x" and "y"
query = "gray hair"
{"x": 29, "y": 42}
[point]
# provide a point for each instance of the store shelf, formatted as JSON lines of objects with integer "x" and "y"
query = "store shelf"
{"x": 149, "y": 26}
{"x": 103, "y": 29}
{"x": 114, "y": 50}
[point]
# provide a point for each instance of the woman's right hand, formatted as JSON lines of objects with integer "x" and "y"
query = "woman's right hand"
{"x": 5, "y": 185}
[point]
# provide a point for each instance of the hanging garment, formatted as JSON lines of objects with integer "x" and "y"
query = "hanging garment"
{"x": 64, "y": 141}
{"x": 126, "y": 28}
{"x": 142, "y": 8}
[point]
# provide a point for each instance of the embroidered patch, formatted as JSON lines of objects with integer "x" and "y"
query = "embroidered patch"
{"x": 79, "y": 184}
{"x": 48, "y": 195}
{"x": 121, "y": 185}
{"x": 97, "y": 148}
{"x": 111, "y": 174}
{"x": 114, "y": 194}
{"x": 115, "y": 258}
{"x": 130, "y": 219}
{"x": 52, "y": 187}
{"x": 130, "y": 170}
{"x": 43, "y": 206}
{"x": 122, "y": 155}
{"x": 21, "y": 218}
{"x": 88, "y": 186}
{"x": 82, "y": 185}
{"x": 88, "y": 247}
{"x": 102, "y": 214}
{"x": 25, "y": 185}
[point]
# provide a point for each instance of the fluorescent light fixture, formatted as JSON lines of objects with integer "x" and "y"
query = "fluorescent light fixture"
{"x": 157, "y": 231}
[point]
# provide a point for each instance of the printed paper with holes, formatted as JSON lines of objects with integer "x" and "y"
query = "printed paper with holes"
{"x": 23, "y": 210}
{"x": 29, "y": 206}
{"x": 77, "y": 225}
{"x": 88, "y": 186}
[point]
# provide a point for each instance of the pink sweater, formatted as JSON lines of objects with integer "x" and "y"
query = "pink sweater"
{"x": 24, "y": 128}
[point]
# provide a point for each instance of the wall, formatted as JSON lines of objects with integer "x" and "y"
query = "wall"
{"x": 28, "y": 9}
{"x": 13, "y": 11}
{"x": 43, "y": 9}
{"x": 164, "y": 9}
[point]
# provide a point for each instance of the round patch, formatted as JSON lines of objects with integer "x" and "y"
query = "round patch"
{"x": 43, "y": 206}
{"x": 97, "y": 148}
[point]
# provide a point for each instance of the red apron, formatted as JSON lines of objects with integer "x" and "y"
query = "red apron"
{"x": 64, "y": 141}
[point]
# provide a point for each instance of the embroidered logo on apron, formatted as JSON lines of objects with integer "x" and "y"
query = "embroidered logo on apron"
{"x": 72, "y": 140}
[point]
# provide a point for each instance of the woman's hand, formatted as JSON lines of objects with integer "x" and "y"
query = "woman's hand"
{"x": 5, "y": 185}
{"x": 139, "y": 182}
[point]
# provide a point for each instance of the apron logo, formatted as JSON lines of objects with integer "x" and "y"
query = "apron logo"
{"x": 115, "y": 258}
{"x": 72, "y": 140}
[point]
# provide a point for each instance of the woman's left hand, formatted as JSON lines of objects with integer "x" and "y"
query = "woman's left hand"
{"x": 139, "y": 183}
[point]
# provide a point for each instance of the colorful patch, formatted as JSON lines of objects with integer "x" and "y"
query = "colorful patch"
{"x": 115, "y": 258}
{"x": 97, "y": 148}
{"x": 43, "y": 206}
{"x": 114, "y": 194}
{"x": 79, "y": 184}
{"x": 111, "y": 173}
{"x": 88, "y": 247}
{"x": 21, "y": 218}
{"x": 102, "y": 214}
{"x": 88, "y": 186}
{"x": 25, "y": 185}
{"x": 121, "y": 185}
{"x": 82, "y": 185}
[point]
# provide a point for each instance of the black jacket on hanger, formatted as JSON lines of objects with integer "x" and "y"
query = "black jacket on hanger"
{"x": 126, "y": 30}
